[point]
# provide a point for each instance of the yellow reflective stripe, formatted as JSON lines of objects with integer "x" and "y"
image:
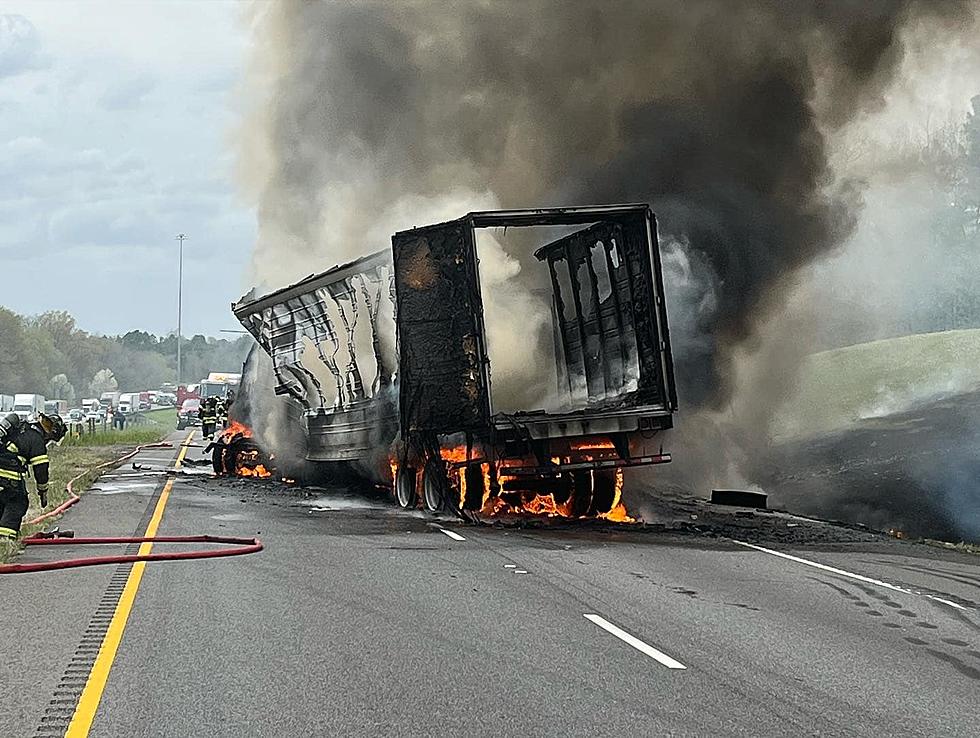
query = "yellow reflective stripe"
{"x": 12, "y": 448}
{"x": 42, "y": 487}
{"x": 7, "y": 474}
{"x": 42, "y": 459}
{"x": 7, "y": 533}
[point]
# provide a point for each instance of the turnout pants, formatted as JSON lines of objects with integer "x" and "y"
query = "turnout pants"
{"x": 13, "y": 507}
{"x": 207, "y": 428}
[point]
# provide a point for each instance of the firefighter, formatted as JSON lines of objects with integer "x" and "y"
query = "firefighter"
{"x": 24, "y": 448}
{"x": 221, "y": 412}
{"x": 208, "y": 417}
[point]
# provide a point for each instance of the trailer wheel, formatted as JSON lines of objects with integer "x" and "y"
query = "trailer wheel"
{"x": 405, "y": 486}
{"x": 473, "y": 498}
{"x": 603, "y": 490}
{"x": 581, "y": 493}
{"x": 435, "y": 486}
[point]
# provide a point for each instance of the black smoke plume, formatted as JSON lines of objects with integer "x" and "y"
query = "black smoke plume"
{"x": 715, "y": 111}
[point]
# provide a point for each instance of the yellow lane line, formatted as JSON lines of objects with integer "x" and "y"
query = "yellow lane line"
{"x": 88, "y": 703}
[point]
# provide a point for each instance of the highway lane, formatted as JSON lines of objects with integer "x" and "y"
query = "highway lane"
{"x": 365, "y": 620}
{"x": 360, "y": 619}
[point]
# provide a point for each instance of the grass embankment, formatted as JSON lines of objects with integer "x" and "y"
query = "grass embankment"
{"x": 81, "y": 454}
{"x": 842, "y": 387}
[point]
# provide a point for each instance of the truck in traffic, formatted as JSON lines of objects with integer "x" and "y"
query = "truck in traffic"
{"x": 28, "y": 405}
{"x": 422, "y": 399}
{"x": 108, "y": 399}
{"x": 6, "y": 403}
{"x": 56, "y": 407}
{"x": 129, "y": 402}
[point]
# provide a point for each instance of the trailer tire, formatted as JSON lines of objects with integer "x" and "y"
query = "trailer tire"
{"x": 435, "y": 485}
{"x": 603, "y": 491}
{"x": 473, "y": 498}
{"x": 581, "y": 493}
{"x": 405, "y": 493}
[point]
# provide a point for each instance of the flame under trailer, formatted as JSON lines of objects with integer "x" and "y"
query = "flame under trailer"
{"x": 414, "y": 392}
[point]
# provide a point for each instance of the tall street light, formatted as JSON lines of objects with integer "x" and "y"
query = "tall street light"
{"x": 180, "y": 290}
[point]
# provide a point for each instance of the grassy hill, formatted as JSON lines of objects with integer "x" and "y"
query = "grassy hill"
{"x": 842, "y": 387}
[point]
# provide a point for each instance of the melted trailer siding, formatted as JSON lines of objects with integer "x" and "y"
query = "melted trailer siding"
{"x": 353, "y": 414}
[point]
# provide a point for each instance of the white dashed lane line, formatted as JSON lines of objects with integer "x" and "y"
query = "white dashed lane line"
{"x": 635, "y": 642}
{"x": 452, "y": 534}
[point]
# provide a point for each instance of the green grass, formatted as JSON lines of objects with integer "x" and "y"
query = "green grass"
{"x": 166, "y": 416}
{"x": 844, "y": 386}
{"x": 970, "y": 548}
{"x": 84, "y": 454}
{"x": 132, "y": 436}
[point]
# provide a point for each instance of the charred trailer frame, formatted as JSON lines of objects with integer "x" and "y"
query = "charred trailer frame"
{"x": 612, "y": 354}
{"x": 321, "y": 313}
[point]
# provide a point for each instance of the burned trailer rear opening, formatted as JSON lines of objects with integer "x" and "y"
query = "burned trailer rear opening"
{"x": 612, "y": 386}
{"x": 331, "y": 340}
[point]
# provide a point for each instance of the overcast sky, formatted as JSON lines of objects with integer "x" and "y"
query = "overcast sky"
{"x": 116, "y": 133}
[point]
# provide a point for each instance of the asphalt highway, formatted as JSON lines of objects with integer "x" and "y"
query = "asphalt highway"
{"x": 359, "y": 619}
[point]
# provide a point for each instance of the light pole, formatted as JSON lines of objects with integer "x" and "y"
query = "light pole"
{"x": 180, "y": 290}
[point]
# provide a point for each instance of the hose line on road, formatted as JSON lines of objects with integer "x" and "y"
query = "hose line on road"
{"x": 242, "y": 546}
{"x": 73, "y": 498}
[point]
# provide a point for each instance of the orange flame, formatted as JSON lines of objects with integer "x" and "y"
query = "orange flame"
{"x": 541, "y": 503}
{"x": 247, "y": 462}
{"x": 257, "y": 471}
{"x": 237, "y": 429}
{"x": 592, "y": 445}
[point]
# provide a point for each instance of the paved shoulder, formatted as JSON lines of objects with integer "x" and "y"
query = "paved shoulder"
{"x": 51, "y": 618}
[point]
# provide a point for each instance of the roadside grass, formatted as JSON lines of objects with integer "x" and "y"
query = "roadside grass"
{"x": 130, "y": 436}
{"x": 83, "y": 454}
{"x": 845, "y": 386}
{"x": 166, "y": 416}
{"x": 970, "y": 548}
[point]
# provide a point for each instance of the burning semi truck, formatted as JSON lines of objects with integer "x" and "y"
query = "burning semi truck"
{"x": 387, "y": 362}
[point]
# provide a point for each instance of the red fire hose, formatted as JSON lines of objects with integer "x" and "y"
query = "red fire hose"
{"x": 243, "y": 546}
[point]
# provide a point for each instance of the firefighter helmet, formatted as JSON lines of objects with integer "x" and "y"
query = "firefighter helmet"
{"x": 53, "y": 427}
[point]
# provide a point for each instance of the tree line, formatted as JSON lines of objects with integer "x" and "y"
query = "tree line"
{"x": 49, "y": 354}
{"x": 929, "y": 220}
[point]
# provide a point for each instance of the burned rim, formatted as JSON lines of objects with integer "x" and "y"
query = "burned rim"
{"x": 434, "y": 485}
{"x": 405, "y": 487}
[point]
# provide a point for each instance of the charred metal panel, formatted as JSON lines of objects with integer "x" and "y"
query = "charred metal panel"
{"x": 442, "y": 354}
{"x": 595, "y": 329}
{"x": 612, "y": 324}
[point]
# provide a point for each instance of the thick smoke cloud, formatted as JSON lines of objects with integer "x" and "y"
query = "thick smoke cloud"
{"x": 379, "y": 116}
{"x": 731, "y": 117}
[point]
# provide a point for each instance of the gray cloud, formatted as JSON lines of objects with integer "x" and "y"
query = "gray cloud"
{"x": 20, "y": 46}
{"x": 127, "y": 94}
